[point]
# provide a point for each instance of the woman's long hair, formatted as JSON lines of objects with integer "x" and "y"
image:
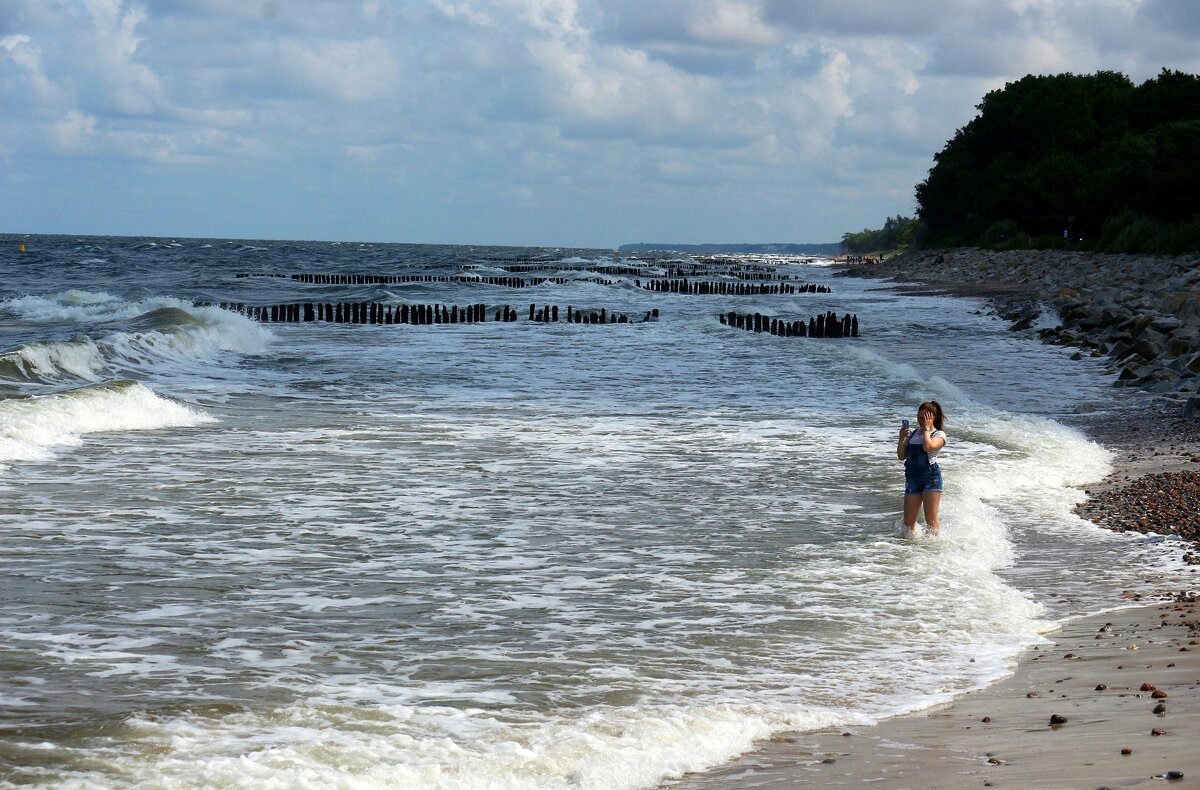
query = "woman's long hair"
{"x": 938, "y": 416}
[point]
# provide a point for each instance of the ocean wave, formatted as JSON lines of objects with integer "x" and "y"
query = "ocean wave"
{"x": 31, "y": 428}
{"x": 121, "y": 336}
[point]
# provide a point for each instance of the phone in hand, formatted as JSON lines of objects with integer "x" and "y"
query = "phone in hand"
{"x": 904, "y": 424}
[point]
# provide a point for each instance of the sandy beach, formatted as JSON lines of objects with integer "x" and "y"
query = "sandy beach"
{"x": 1126, "y": 683}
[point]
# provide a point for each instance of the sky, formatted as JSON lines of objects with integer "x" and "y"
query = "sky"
{"x": 580, "y": 123}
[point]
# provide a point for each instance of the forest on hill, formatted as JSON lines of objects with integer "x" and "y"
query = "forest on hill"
{"x": 1088, "y": 161}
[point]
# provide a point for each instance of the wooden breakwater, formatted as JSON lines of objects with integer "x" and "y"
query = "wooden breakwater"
{"x": 824, "y": 325}
{"x": 400, "y": 279}
{"x": 722, "y": 288}
{"x": 656, "y": 284}
{"x": 423, "y": 314}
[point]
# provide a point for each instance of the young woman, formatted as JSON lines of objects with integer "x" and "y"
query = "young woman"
{"x": 919, "y": 450}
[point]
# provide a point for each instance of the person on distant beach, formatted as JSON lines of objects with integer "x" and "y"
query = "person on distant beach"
{"x": 919, "y": 450}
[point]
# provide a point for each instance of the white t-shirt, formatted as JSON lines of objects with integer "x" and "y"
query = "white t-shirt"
{"x": 916, "y": 438}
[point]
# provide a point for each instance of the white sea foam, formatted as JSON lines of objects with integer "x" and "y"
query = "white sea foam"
{"x": 316, "y": 746}
{"x": 521, "y": 556}
{"x": 123, "y": 335}
{"x": 32, "y": 428}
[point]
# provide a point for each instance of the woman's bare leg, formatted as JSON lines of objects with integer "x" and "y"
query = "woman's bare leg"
{"x": 912, "y": 506}
{"x": 931, "y": 500}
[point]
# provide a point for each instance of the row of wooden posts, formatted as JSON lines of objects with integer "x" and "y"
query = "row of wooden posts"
{"x": 680, "y": 286}
{"x": 708, "y": 271}
{"x": 623, "y": 271}
{"x": 420, "y": 314}
{"x": 721, "y": 288}
{"x": 397, "y": 279}
{"x": 826, "y": 325}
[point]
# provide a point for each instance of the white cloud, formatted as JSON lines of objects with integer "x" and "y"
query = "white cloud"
{"x": 127, "y": 85}
{"x": 73, "y": 134}
{"x": 731, "y": 22}
{"x": 566, "y": 101}
{"x": 27, "y": 56}
{"x": 350, "y": 71}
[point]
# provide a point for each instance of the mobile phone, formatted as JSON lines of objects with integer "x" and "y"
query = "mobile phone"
{"x": 904, "y": 423}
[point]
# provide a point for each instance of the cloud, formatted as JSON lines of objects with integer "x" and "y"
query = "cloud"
{"x": 865, "y": 17}
{"x": 19, "y": 52}
{"x": 996, "y": 56}
{"x": 1180, "y": 17}
{"x": 346, "y": 71}
{"x": 74, "y": 133}
{"x": 802, "y": 109}
{"x": 725, "y": 22}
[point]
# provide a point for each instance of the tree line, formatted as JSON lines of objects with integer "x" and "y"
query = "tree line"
{"x": 1086, "y": 161}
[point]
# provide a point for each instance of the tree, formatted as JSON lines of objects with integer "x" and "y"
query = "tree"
{"x": 1051, "y": 153}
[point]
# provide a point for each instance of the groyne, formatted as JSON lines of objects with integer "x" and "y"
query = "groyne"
{"x": 425, "y": 314}
{"x": 825, "y": 325}
{"x": 726, "y": 288}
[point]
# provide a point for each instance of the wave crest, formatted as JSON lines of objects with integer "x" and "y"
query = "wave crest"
{"x": 121, "y": 336}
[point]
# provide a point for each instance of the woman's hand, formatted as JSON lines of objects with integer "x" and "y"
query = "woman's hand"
{"x": 926, "y": 420}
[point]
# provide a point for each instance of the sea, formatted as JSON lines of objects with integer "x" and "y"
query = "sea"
{"x": 507, "y": 554}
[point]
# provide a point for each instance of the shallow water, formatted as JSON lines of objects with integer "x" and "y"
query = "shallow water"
{"x": 501, "y": 554}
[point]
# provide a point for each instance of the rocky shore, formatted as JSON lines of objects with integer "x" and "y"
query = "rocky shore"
{"x": 1143, "y": 314}
{"x": 1141, "y": 311}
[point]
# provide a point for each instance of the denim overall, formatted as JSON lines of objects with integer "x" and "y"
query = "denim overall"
{"x": 919, "y": 474}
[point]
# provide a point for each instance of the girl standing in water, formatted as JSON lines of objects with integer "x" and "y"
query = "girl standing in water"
{"x": 922, "y": 476}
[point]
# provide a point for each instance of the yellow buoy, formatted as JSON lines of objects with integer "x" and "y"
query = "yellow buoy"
{"x": 21, "y": 247}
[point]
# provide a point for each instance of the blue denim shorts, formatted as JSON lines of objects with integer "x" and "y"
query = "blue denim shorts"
{"x": 922, "y": 480}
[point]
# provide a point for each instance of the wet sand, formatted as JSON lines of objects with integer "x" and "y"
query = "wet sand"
{"x": 1002, "y": 735}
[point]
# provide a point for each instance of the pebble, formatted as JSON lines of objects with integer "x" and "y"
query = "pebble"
{"x": 1056, "y": 720}
{"x": 1166, "y": 503}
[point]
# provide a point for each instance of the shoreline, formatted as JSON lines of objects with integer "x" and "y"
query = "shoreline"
{"x": 1092, "y": 668}
{"x": 1002, "y": 735}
